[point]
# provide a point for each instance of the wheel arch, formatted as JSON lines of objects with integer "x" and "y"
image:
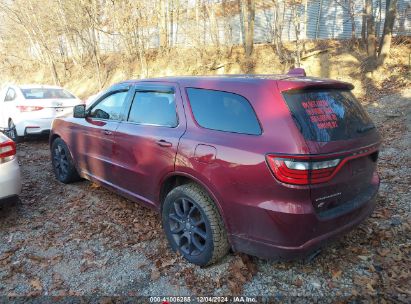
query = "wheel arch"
{"x": 53, "y": 137}
{"x": 176, "y": 179}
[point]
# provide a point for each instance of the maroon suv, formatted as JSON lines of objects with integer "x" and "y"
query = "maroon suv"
{"x": 267, "y": 165}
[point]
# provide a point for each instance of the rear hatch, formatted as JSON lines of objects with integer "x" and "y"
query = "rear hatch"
{"x": 49, "y": 108}
{"x": 343, "y": 143}
{"x": 48, "y": 102}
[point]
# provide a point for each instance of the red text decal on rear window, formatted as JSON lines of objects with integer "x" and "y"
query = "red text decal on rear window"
{"x": 321, "y": 114}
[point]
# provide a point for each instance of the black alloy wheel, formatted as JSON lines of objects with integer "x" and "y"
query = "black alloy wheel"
{"x": 187, "y": 226}
{"x": 63, "y": 166}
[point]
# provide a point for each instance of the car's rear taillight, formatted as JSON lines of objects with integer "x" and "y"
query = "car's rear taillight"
{"x": 302, "y": 170}
{"x": 29, "y": 108}
{"x": 7, "y": 151}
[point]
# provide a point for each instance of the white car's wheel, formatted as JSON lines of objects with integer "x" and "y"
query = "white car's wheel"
{"x": 13, "y": 132}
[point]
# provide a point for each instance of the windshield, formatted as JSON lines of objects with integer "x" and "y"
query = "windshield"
{"x": 328, "y": 115}
{"x": 40, "y": 93}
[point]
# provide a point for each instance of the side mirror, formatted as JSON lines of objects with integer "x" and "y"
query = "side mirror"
{"x": 79, "y": 111}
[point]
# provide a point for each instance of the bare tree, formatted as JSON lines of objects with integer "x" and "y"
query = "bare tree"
{"x": 277, "y": 29}
{"x": 349, "y": 7}
{"x": 371, "y": 38}
{"x": 247, "y": 17}
{"x": 364, "y": 25}
{"x": 228, "y": 28}
{"x": 385, "y": 42}
{"x": 30, "y": 18}
{"x": 297, "y": 16}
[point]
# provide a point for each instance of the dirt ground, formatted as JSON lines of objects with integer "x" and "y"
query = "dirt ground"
{"x": 81, "y": 239}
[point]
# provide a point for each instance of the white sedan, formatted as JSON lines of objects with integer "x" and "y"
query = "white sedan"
{"x": 10, "y": 180}
{"x": 30, "y": 109}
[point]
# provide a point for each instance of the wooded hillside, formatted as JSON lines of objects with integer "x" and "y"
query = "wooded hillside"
{"x": 105, "y": 41}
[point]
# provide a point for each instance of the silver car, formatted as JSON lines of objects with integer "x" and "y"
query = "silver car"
{"x": 10, "y": 178}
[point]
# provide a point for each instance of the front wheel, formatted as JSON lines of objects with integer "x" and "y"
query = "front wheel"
{"x": 63, "y": 166}
{"x": 193, "y": 225}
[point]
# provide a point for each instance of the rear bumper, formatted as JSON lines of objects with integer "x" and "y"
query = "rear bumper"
{"x": 10, "y": 179}
{"x": 34, "y": 126}
{"x": 275, "y": 251}
{"x": 295, "y": 235}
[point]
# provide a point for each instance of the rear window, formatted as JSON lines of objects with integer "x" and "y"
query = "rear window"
{"x": 40, "y": 93}
{"x": 223, "y": 111}
{"x": 328, "y": 115}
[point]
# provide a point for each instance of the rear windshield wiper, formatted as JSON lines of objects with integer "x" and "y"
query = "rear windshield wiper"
{"x": 366, "y": 128}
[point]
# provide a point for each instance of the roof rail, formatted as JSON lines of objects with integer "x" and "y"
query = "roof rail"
{"x": 297, "y": 72}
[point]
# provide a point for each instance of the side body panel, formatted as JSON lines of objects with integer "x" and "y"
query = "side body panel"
{"x": 92, "y": 143}
{"x": 144, "y": 153}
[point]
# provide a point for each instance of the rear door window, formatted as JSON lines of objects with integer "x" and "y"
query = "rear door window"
{"x": 154, "y": 108}
{"x": 223, "y": 111}
{"x": 328, "y": 115}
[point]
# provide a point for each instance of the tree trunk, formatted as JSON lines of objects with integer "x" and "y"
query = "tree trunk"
{"x": 163, "y": 24}
{"x": 364, "y": 26}
{"x": 96, "y": 55}
{"x": 371, "y": 39}
{"x": 228, "y": 31}
{"x": 211, "y": 12}
{"x": 247, "y": 16}
{"x": 54, "y": 72}
{"x": 385, "y": 42}
{"x": 296, "y": 23}
{"x": 279, "y": 14}
{"x": 352, "y": 17}
{"x": 242, "y": 22}
{"x": 170, "y": 24}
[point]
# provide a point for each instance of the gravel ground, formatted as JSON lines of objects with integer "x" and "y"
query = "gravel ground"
{"x": 81, "y": 239}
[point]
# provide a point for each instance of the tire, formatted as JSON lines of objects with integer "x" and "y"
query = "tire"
{"x": 63, "y": 165}
{"x": 193, "y": 225}
{"x": 13, "y": 132}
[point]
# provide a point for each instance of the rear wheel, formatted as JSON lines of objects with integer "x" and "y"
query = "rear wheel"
{"x": 193, "y": 225}
{"x": 63, "y": 165}
{"x": 12, "y": 133}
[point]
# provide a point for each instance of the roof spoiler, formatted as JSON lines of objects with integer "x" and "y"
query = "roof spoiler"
{"x": 297, "y": 72}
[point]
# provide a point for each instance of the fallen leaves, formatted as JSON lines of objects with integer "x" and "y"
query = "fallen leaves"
{"x": 383, "y": 252}
{"x": 367, "y": 282}
{"x": 155, "y": 274}
{"x": 298, "y": 282}
{"x": 36, "y": 284}
{"x": 241, "y": 270}
{"x": 336, "y": 274}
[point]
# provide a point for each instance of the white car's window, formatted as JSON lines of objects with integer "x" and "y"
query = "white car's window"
{"x": 10, "y": 95}
{"x": 109, "y": 108}
{"x": 41, "y": 93}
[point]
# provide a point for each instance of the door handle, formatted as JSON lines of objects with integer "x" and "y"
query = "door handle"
{"x": 107, "y": 132}
{"x": 164, "y": 143}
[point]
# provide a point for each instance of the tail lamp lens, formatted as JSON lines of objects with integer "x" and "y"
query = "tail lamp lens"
{"x": 29, "y": 108}
{"x": 302, "y": 171}
{"x": 7, "y": 151}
